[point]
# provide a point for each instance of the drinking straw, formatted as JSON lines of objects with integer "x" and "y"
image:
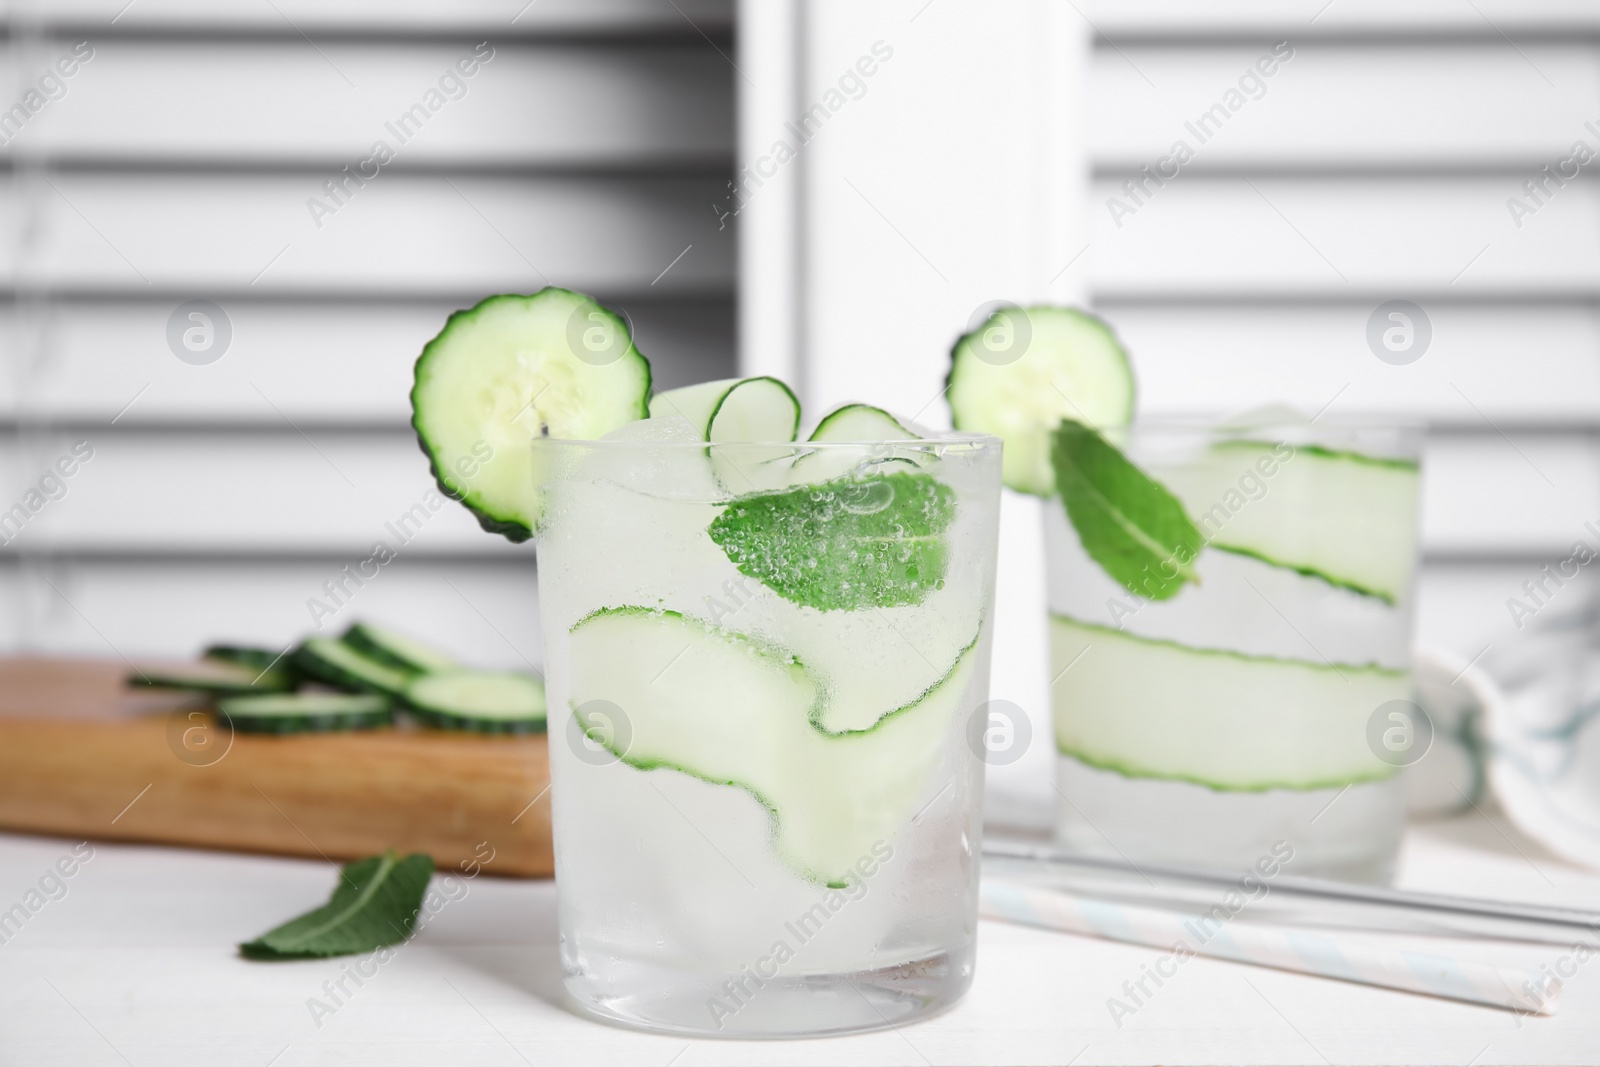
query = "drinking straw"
{"x": 1321, "y": 901}
{"x": 1285, "y": 949}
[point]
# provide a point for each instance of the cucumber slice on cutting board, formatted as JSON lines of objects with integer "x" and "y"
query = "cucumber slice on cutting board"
{"x": 1150, "y": 708}
{"x": 214, "y": 677}
{"x": 343, "y": 667}
{"x": 396, "y": 650}
{"x": 509, "y": 370}
{"x": 290, "y": 713}
{"x": 730, "y": 709}
{"x": 490, "y": 702}
{"x": 1024, "y": 370}
{"x": 1345, "y": 518}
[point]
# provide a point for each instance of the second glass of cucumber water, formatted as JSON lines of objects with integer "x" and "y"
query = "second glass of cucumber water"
{"x": 1251, "y": 711}
{"x": 762, "y": 663}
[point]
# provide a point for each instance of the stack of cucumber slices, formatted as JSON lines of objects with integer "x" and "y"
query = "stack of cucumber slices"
{"x": 354, "y": 682}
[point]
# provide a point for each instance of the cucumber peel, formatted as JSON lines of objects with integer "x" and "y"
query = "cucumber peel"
{"x": 734, "y": 710}
{"x": 1345, "y": 518}
{"x": 1152, "y": 708}
{"x": 1024, "y": 370}
{"x": 509, "y": 370}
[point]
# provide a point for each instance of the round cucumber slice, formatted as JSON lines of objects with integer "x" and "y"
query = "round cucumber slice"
{"x": 1150, "y": 708}
{"x": 860, "y": 423}
{"x": 214, "y": 677}
{"x": 734, "y": 409}
{"x": 306, "y": 712}
{"x": 511, "y": 369}
{"x": 733, "y": 710}
{"x": 396, "y": 650}
{"x": 343, "y": 667}
{"x": 1024, "y": 370}
{"x": 753, "y": 419}
{"x": 481, "y": 701}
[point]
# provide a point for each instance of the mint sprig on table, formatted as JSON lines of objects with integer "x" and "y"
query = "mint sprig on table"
{"x": 1128, "y": 522}
{"x": 844, "y": 545}
{"x": 374, "y": 905}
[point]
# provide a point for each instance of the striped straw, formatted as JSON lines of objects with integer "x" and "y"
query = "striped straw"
{"x": 1285, "y": 949}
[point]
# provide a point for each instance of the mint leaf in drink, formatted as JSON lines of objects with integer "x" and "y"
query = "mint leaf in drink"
{"x": 844, "y": 545}
{"x": 375, "y": 904}
{"x": 1128, "y": 522}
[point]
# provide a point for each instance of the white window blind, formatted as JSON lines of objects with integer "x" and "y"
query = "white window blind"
{"x": 204, "y": 152}
{"x": 1376, "y": 164}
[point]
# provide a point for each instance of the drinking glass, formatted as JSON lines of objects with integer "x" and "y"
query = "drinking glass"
{"x": 764, "y": 663}
{"x": 1263, "y": 712}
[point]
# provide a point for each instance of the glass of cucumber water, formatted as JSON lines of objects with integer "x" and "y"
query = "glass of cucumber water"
{"x": 763, "y": 661}
{"x": 1233, "y": 679}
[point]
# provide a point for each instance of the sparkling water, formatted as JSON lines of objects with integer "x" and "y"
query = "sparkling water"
{"x": 677, "y": 910}
{"x": 1265, "y": 674}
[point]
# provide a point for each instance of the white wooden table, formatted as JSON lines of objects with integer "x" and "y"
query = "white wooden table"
{"x": 136, "y": 965}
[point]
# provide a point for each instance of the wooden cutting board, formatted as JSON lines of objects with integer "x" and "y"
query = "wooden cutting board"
{"x": 83, "y": 756}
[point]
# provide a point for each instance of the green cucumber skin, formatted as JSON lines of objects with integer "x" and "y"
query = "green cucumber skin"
{"x": 369, "y": 641}
{"x": 1128, "y": 770}
{"x": 1306, "y": 572}
{"x": 845, "y": 409}
{"x": 312, "y": 665}
{"x": 301, "y": 724}
{"x": 1391, "y": 462}
{"x": 440, "y": 720}
{"x": 512, "y": 530}
{"x": 1244, "y": 657}
{"x": 274, "y": 682}
{"x": 794, "y": 430}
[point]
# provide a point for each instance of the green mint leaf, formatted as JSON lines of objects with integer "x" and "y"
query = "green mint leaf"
{"x": 375, "y": 904}
{"x": 1128, "y": 522}
{"x": 845, "y": 545}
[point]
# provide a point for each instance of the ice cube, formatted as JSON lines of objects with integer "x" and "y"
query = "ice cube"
{"x": 663, "y": 428}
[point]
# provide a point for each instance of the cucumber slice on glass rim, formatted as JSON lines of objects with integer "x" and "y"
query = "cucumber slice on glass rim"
{"x": 1024, "y": 370}
{"x": 291, "y": 713}
{"x": 509, "y": 370}
{"x": 490, "y": 702}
